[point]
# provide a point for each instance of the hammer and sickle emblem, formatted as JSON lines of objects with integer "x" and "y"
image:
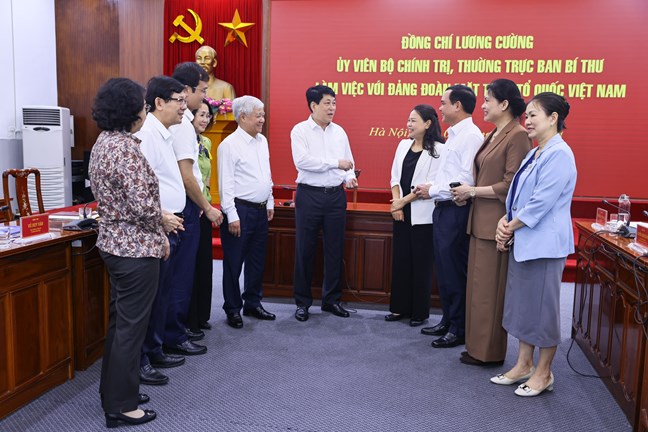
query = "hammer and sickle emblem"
{"x": 194, "y": 34}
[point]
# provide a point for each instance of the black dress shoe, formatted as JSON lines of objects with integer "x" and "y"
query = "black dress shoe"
{"x": 150, "y": 376}
{"x": 437, "y": 330}
{"x": 195, "y": 334}
{"x": 259, "y": 313}
{"x": 166, "y": 361}
{"x": 449, "y": 340}
{"x": 114, "y": 420}
{"x": 394, "y": 317}
{"x": 336, "y": 309}
{"x": 234, "y": 320}
{"x": 205, "y": 325}
{"x": 416, "y": 323}
{"x": 470, "y": 360}
{"x": 301, "y": 314}
{"x": 185, "y": 348}
{"x": 143, "y": 398}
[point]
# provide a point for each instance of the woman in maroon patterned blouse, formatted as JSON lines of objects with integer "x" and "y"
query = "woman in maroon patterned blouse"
{"x": 131, "y": 242}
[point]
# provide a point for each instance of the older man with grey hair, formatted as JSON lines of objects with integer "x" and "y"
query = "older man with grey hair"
{"x": 245, "y": 187}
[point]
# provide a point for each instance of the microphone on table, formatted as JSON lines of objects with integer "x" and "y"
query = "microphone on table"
{"x": 85, "y": 208}
{"x": 624, "y": 230}
{"x": 618, "y": 208}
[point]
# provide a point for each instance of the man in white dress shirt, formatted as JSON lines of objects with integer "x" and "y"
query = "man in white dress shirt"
{"x": 449, "y": 219}
{"x": 167, "y": 102}
{"x": 322, "y": 156}
{"x": 245, "y": 187}
{"x": 185, "y": 146}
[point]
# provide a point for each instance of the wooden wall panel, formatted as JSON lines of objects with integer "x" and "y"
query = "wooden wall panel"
{"x": 101, "y": 39}
{"x": 87, "y": 49}
{"x": 141, "y": 26}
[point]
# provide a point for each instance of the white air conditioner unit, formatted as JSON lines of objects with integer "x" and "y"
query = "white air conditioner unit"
{"x": 47, "y": 136}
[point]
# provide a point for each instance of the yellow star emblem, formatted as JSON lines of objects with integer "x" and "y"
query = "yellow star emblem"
{"x": 237, "y": 29}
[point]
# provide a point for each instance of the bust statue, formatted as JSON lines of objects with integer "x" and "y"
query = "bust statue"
{"x": 218, "y": 89}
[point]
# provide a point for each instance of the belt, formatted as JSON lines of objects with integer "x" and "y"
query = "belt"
{"x": 447, "y": 203}
{"x": 246, "y": 203}
{"x": 325, "y": 189}
{"x": 443, "y": 203}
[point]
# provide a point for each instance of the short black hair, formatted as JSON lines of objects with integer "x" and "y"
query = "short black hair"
{"x": 316, "y": 93}
{"x": 118, "y": 104}
{"x": 161, "y": 87}
{"x": 553, "y": 103}
{"x": 504, "y": 89}
{"x": 190, "y": 74}
{"x": 465, "y": 95}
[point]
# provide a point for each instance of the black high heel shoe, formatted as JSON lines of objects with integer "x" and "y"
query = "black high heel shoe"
{"x": 394, "y": 317}
{"x": 119, "y": 419}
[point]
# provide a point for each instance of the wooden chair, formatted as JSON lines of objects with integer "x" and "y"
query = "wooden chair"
{"x": 22, "y": 193}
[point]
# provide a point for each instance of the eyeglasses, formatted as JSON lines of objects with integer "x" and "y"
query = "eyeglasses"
{"x": 181, "y": 101}
{"x": 203, "y": 90}
{"x": 147, "y": 108}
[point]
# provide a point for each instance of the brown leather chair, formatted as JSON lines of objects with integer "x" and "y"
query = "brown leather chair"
{"x": 22, "y": 193}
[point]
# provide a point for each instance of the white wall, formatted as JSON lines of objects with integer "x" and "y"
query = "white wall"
{"x": 28, "y": 72}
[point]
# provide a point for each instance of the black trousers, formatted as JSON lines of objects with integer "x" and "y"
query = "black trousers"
{"x": 412, "y": 269}
{"x": 248, "y": 249}
{"x": 133, "y": 285}
{"x": 317, "y": 210}
{"x": 181, "y": 279}
{"x": 201, "y": 296}
{"x": 451, "y": 244}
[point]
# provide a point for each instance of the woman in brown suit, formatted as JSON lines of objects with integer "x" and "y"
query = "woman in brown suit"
{"x": 495, "y": 165}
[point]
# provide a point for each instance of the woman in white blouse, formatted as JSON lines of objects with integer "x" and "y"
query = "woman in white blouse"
{"x": 416, "y": 161}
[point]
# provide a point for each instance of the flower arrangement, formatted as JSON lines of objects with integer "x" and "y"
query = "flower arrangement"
{"x": 222, "y": 106}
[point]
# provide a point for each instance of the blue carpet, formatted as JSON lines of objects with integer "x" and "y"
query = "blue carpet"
{"x": 331, "y": 374}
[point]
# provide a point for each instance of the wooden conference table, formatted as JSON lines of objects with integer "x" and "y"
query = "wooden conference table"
{"x": 610, "y": 319}
{"x": 53, "y": 313}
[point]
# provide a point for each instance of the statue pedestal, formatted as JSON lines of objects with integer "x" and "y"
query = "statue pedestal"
{"x": 224, "y": 124}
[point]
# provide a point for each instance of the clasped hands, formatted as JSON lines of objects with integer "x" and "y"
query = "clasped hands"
{"x": 346, "y": 165}
{"x": 461, "y": 194}
{"x": 171, "y": 223}
{"x": 396, "y": 210}
{"x": 503, "y": 235}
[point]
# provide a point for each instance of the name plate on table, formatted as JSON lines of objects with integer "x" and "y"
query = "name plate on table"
{"x": 642, "y": 235}
{"x": 601, "y": 219}
{"x": 32, "y": 226}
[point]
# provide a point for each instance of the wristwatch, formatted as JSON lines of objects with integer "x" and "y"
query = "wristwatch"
{"x": 473, "y": 192}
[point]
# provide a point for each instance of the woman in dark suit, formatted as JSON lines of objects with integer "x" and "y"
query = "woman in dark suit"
{"x": 495, "y": 164}
{"x": 416, "y": 161}
{"x": 131, "y": 243}
{"x": 538, "y": 230}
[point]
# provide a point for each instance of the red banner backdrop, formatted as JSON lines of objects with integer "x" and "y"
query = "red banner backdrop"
{"x": 384, "y": 57}
{"x": 237, "y": 64}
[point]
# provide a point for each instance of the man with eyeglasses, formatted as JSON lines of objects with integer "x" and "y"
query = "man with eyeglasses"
{"x": 166, "y": 103}
{"x": 176, "y": 336}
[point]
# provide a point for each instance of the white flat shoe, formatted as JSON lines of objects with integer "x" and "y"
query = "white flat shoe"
{"x": 526, "y": 391}
{"x": 502, "y": 379}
